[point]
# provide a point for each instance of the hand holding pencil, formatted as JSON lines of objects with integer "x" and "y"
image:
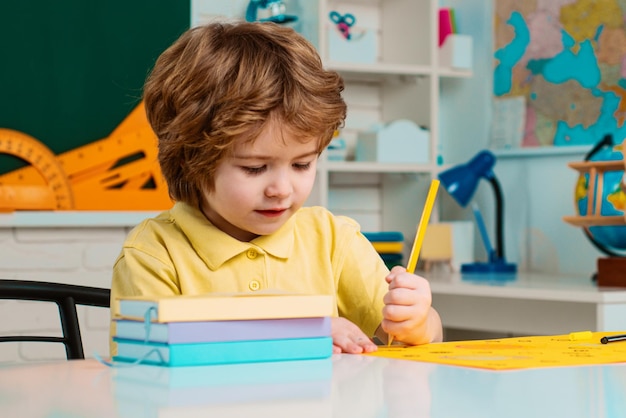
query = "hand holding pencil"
{"x": 408, "y": 315}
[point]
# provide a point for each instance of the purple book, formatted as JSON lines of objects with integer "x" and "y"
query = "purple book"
{"x": 219, "y": 331}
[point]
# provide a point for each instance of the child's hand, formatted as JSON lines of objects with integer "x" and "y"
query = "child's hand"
{"x": 407, "y": 315}
{"x": 348, "y": 338}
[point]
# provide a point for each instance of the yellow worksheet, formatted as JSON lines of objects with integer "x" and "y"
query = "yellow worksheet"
{"x": 516, "y": 353}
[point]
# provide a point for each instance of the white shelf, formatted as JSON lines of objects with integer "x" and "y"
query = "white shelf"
{"x": 374, "y": 167}
{"x": 454, "y": 73}
{"x": 71, "y": 219}
{"x": 542, "y": 151}
{"x": 526, "y": 286}
{"x": 379, "y": 70}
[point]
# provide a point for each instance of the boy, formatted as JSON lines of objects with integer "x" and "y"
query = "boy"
{"x": 242, "y": 112}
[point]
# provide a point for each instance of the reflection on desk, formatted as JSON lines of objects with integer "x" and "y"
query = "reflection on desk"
{"x": 205, "y": 390}
{"x": 344, "y": 386}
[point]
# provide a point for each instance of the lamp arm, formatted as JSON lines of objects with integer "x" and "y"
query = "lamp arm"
{"x": 497, "y": 191}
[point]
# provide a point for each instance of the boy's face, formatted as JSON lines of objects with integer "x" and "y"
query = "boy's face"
{"x": 262, "y": 184}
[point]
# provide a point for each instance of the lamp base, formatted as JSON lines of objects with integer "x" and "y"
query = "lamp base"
{"x": 493, "y": 267}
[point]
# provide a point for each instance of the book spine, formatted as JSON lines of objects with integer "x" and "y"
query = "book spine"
{"x": 224, "y": 353}
{"x": 222, "y": 331}
{"x": 388, "y": 247}
{"x": 446, "y": 26}
{"x": 185, "y": 309}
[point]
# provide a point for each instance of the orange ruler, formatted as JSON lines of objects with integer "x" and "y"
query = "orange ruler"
{"x": 119, "y": 172}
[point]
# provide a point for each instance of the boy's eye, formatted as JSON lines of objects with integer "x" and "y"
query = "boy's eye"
{"x": 302, "y": 166}
{"x": 254, "y": 170}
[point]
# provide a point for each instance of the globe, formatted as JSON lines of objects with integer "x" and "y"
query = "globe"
{"x": 610, "y": 239}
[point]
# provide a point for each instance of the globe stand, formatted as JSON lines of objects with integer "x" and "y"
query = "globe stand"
{"x": 611, "y": 271}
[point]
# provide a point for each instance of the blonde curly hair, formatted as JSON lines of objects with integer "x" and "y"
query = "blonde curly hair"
{"x": 222, "y": 82}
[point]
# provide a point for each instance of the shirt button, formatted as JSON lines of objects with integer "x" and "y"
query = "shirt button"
{"x": 251, "y": 254}
{"x": 254, "y": 285}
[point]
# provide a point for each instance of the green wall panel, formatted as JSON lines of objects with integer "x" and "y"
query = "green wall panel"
{"x": 71, "y": 70}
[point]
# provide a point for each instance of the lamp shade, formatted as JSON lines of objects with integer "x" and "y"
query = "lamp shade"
{"x": 461, "y": 181}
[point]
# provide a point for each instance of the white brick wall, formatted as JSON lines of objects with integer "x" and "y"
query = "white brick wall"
{"x": 73, "y": 255}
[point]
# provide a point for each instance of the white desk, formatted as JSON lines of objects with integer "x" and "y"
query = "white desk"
{"x": 355, "y": 386}
{"x": 531, "y": 304}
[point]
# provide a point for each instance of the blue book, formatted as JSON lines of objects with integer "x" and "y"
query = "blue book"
{"x": 202, "y": 354}
{"x": 384, "y": 236}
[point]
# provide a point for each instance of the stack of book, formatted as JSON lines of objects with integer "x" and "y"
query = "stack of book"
{"x": 389, "y": 245}
{"x": 195, "y": 330}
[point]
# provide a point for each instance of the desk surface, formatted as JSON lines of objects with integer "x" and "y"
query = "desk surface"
{"x": 344, "y": 386}
{"x": 529, "y": 286}
{"x": 527, "y": 303}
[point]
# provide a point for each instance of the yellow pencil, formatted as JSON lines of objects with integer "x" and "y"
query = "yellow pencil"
{"x": 421, "y": 231}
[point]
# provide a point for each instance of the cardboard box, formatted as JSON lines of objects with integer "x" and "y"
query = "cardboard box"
{"x": 456, "y": 52}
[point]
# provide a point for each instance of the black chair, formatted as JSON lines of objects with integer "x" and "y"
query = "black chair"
{"x": 66, "y": 297}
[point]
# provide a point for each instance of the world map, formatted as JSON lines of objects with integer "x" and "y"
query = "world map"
{"x": 567, "y": 60}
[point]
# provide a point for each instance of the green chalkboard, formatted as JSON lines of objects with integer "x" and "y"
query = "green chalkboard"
{"x": 71, "y": 70}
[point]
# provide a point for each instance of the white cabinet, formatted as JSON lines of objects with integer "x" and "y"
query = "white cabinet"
{"x": 402, "y": 82}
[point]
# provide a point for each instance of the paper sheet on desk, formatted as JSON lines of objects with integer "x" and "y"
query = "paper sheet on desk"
{"x": 514, "y": 353}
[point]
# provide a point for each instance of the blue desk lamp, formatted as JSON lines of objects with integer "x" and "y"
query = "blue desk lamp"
{"x": 461, "y": 182}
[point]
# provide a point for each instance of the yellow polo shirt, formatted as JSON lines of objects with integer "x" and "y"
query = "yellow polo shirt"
{"x": 181, "y": 252}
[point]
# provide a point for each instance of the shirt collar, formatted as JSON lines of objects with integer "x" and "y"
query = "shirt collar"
{"x": 216, "y": 247}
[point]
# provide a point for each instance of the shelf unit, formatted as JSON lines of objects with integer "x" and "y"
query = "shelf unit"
{"x": 402, "y": 83}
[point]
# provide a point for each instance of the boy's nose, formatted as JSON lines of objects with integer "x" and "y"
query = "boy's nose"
{"x": 280, "y": 186}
